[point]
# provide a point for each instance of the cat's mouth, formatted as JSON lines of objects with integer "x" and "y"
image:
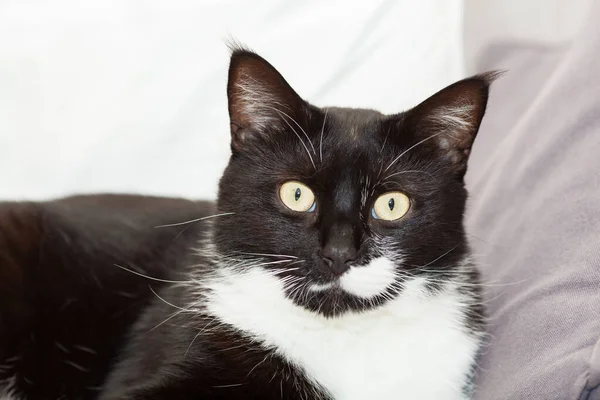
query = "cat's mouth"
{"x": 321, "y": 287}
{"x": 358, "y": 289}
{"x": 364, "y": 282}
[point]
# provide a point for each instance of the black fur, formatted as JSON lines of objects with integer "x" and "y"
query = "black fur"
{"x": 64, "y": 304}
{"x": 76, "y": 320}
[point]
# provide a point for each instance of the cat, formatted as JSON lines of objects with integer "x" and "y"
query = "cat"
{"x": 334, "y": 264}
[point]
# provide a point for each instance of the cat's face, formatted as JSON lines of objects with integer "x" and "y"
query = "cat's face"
{"x": 344, "y": 205}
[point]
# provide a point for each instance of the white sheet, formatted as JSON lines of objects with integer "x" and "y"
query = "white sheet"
{"x": 129, "y": 96}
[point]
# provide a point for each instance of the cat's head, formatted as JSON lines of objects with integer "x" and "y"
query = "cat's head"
{"x": 344, "y": 205}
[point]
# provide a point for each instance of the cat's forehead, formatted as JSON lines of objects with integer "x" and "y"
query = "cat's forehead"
{"x": 353, "y": 138}
{"x": 351, "y": 121}
{"x": 352, "y": 134}
{"x": 360, "y": 149}
{"x": 349, "y": 151}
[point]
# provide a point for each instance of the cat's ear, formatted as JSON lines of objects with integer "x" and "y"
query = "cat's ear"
{"x": 260, "y": 100}
{"x": 448, "y": 121}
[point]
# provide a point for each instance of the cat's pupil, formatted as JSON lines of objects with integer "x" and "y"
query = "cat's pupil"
{"x": 297, "y": 194}
{"x": 391, "y": 204}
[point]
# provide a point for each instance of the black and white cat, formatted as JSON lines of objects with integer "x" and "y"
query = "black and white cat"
{"x": 333, "y": 266}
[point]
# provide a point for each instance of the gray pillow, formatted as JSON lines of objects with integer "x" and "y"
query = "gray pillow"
{"x": 534, "y": 220}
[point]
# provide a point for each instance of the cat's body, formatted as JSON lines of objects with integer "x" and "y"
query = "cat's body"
{"x": 66, "y": 342}
{"x": 363, "y": 291}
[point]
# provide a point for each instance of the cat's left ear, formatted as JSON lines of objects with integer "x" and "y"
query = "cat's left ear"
{"x": 448, "y": 121}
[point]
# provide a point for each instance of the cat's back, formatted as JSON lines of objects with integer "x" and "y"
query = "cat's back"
{"x": 65, "y": 301}
{"x": 67, "y": 231}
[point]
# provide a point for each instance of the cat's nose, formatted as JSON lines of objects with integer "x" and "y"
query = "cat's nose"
{"x": 340, "y": 247}
{"x": 338, "y": 257}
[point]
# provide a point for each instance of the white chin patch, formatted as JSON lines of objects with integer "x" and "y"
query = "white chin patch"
{"x": 320, "y": 287}
{"x": 369, "y": 280}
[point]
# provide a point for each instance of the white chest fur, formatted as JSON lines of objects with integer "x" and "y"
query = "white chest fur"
{"x": 413, "y": 347}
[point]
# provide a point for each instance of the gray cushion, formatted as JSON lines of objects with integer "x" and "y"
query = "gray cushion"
{"x": 534, "y": 220}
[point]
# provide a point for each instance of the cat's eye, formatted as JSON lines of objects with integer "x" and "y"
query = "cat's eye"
{"x": 390, "y": 206}
{"x": 297, "y": 196}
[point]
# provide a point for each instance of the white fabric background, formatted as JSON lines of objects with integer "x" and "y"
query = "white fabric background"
{"x": 129, "y": 96}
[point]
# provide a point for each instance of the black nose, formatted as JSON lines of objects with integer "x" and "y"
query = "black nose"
{"x": 338, "y": 256}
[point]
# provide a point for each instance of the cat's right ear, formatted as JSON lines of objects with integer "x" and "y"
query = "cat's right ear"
{"x": 261, "y": 102}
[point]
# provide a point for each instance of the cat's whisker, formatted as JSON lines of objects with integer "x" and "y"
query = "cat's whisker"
{"x": 293, "y": 283}
{"x": 296, "y": 289}
{"x": 194, "y": 220}
{"x": 302, "y": 129}
{"x": 298, "y": 135}
{"x": 268, "y": 255}
{"x": 294, "y": 263}
{"x": 306, "y": 295}
{"x": 191, "y": 343}
{"x": 271, "y": 263}
{"x": 200, "y": 332}
{"x": 303, "y": 294}
{"x": 278, "y": 271}
{"x": 438, "y": 258}
{"x": 386, "y": 138}
{"x": 411, "y": 171}
{"x": 485, "y": 301}
{"x": 482, "y": 284}
{"x": 150, "y": 277}
{"x": 256, "y": 366}
{"x": 412, "y": 147}
{"x": 188, "y": 308}
{"x": 251, "y": 264}
{"x": 292, "y": 290}
{"x": 284, "y": 268}
{"x": 163, "y": 300}
{"x": 321, "y": 140}
{"x": 481, "y": 240}
{"x": 289, "y": 278}
{"x": 228, "y": 386}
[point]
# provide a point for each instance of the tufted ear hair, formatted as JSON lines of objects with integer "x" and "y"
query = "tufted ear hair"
{"x": 448, "y": 121}
{"x": 260, "y": 99}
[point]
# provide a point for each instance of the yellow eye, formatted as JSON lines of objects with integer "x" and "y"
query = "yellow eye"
{"x": 297, "y": 196}
{"x": 390, "y": 206}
